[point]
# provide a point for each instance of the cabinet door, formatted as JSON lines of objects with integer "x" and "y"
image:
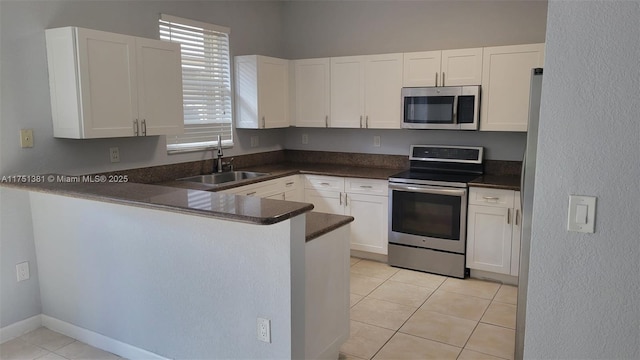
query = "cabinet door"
{"x": 273, "y": 92}
{"x": 506, "y": 78}
{"x": 383, "y": 84}
{"x": 515, "y": 235}
{"x": 325, "y": 201}
{"x": 489, "y": 238}
{"x": 461, "y": 67}
{"x": 107, "y": 69}
{"x": 347, "y": 92}
{"x": 245, "y": 69}
{"x": 369, "y": 229}
{"x": 421, "y": 68}
{"x": 312, "y": 92}
{"x": 159, "y": 87}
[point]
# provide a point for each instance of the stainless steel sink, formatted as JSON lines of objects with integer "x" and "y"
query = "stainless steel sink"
{"x": 223, "y": 177}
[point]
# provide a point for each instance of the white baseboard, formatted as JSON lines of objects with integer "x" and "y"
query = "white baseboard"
{"x": 20, "y": 328}
{"x": 99, "y": 341}
{"x": 486, "y": 275}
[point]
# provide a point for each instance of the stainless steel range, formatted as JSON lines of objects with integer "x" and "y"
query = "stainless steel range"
{"x": 428, "y": 209}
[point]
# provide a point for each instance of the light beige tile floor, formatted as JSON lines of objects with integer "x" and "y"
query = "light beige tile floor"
{"x": 395, "y": 314}
{"x": 404, "y": 314}
{"x": 44, "y": 344}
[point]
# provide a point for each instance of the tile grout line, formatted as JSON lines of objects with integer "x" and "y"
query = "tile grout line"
{"x": 413, "y": 313}
{"x": 395, "y": 332}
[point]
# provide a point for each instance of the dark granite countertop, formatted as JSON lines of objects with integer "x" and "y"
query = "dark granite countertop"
{"x": 318, "y": 224}
{"x": 196, "y": 202}
{"x": 203, "y": 203}
{"x": 506, "y": 182}
{"x": 285, "y": 169}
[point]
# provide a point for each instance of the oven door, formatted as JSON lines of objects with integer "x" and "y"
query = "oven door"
{"x": 428, "y": 216}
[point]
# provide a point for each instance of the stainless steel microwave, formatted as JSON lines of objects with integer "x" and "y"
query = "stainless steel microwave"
{"x": 446, "y": 108}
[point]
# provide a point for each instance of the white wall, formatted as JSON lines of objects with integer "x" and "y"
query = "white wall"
{"x": 18, "y": 301}
{"x": 255, "y": 28}
{"x": 340, "y": 28}
{"x": 498, "y": 145}
{"x": 111, "y": 269}
{"x": 281, "y": 29}
{"x": 24, "y": 104}
{"x": 584, "y": 288}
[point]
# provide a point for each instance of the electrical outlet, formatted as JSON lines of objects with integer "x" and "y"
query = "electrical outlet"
{"x": 264, "y": 330}
{"x": 376, "y": 141}
{"x": 305, "y": 139}
{"x": 114, "y": 154}
{"x": 255, "y": 141}
{"x": 26, "y": 138}
{"x": 22, "y": 271}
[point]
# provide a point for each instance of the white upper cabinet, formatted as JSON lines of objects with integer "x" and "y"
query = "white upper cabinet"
{"x": 347, "y": 92}
{"x": 160, "y": 90}
{"x": 461, "y": 67}
{"x": 421, "y": 68}
{"x": 442, "y": 68}
{"x": 312, "y": 92}
{"x": 262, "y": 92}
{"x": 506, "y": 78}
{"x": 383, "y": 85}
{"x": 110, "y": 85}
{"x": 365, "y": 91}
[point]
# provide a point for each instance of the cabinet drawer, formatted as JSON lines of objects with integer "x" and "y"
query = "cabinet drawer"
{"x": 291, "y": 182}
{"x": 324, "y": 182}
{"x": 491, "y": 197}
{"x": 366, "y": 186}
{"x": 261, "y": 189}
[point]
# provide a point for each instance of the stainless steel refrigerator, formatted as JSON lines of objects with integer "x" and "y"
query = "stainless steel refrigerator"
{"x": 527, "y": 183}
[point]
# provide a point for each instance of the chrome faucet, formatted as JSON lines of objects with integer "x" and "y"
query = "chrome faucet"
{"x": 219, "y": 154}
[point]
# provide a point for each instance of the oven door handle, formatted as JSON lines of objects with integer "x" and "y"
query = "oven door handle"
{"x": 429, "y": 190}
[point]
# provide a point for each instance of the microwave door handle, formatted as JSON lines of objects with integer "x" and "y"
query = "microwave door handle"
{"x": 455, "y": 109}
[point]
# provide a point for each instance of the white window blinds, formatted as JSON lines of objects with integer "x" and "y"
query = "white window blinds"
{"x": 206, "y": 83}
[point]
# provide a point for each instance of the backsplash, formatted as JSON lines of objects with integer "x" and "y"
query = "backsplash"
{"x": 162, "y": 173}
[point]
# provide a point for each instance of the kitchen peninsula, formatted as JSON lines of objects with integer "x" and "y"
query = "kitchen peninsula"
{"x": 199, "y": 268}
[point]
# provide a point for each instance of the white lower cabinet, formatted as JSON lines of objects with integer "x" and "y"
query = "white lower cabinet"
{"x": 493, "y": 230}
{"x": 364, "y": 199}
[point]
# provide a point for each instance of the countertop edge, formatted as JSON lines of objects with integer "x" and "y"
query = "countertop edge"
{"x": 329, "y": 223}
{"x": 301, "y": 208}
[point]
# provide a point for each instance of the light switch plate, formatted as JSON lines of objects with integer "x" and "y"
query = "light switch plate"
{"x": 582, "y": 213}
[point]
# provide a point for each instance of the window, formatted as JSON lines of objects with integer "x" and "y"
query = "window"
{"x": 206, "y": 83}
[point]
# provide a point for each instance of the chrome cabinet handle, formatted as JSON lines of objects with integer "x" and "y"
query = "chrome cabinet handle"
{"x": 517, "y": 216}
{"x": 144, "y": 127}
{"x": 494, "y": 198}
{"x": 340, "y": 198}
{"x": 436, "y": 78}
{"x": 366, "y": 122}
{"x": 264, "y": 123}
{"x": 508, "y": 216}
{"x": 346, "y": 199}
{"x": 251, "y": 193}
{"x": 326, "y": 121}
{"x": 443, "y": 78}
{"x": 366, "y": 186}
{"x": 284, "y": 197}
{"x": 289, "y": 183}
{"x": 361, "y": 121}
{"x": 135, "y": 127}
{"x": 325, "y": 184}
